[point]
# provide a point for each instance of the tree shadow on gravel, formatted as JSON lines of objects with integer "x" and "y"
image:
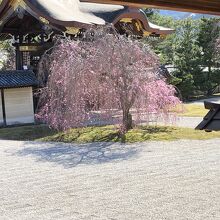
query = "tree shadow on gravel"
{"x": 72, "y": 155}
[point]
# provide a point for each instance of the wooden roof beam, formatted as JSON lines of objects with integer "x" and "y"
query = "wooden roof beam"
{"x": 197, "y": 6}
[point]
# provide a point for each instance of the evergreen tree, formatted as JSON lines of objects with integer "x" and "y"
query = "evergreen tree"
{"x": 193, "y": 50}
{"x": 208, "y": 34}
{"x": 7, "y": 54}
{"x": 162, "y": 46}
{"x": 186, "y": 57}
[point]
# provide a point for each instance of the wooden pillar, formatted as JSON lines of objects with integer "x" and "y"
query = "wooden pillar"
{"x": 19, "y": 65}
{"x": 3, "y": 107}
{"x": 19, "y": 55}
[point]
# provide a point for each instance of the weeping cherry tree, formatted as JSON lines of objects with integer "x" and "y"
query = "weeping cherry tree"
{"x": 102, "y": 74}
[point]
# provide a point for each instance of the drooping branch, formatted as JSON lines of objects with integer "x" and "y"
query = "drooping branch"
{"x": 95, "y": 77}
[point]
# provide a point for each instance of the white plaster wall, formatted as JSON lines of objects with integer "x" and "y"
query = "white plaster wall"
{"x": 19, "y": 106}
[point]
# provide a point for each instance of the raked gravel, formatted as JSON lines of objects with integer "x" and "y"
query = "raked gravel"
{"x": 156, "y": 180}
{"x": 185, "y": 122}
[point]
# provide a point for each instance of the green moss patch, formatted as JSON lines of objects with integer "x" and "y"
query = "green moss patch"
{"x": 104, "y": 134}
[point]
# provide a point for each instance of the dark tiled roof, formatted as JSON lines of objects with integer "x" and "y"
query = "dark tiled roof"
{"x": 17, "y": 78}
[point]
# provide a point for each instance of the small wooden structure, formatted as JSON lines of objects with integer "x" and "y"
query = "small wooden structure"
{"x": 211, "y": 121}
{"x": 16, "y": 97}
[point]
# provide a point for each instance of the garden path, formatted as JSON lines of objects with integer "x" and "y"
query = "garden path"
{"x": 185, "y": 122}
{"x": 201, "y": 102}
{"x": 153, "y": 180}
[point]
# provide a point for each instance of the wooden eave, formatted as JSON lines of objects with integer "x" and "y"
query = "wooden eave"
{"x": 8, "y": 10}
{"x": 8, "y": 7}
{"x": 197, "y": 6}
{"x": 132, "y": 13}
{"x": 47, "y": 19}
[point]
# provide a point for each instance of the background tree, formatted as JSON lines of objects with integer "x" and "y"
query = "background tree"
{"x": 105, "y": 72}
{"x": 186, "y": 57}
{"x": 191, "y": 51}
{"x": 209, "y": 77}
{"x": 7, "y": 61}
{"x": 162, "y": 46}
{"x": 150, "y": 11}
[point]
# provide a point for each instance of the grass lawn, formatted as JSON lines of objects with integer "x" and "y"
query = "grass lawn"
{"x": 193, "y": 110}
{"x": 106, "y": 133}
{"x": 26, "y": 133}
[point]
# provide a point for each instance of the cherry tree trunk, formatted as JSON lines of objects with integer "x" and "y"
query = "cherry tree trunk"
{"x": 127, "y": 120}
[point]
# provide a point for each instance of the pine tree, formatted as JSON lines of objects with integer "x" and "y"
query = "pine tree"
{"x": 208, "y": 34}
{"x": 186, "y": 57}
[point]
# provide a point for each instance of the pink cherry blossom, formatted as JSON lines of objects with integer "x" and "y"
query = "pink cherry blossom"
{"x": 102, "y": 77}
